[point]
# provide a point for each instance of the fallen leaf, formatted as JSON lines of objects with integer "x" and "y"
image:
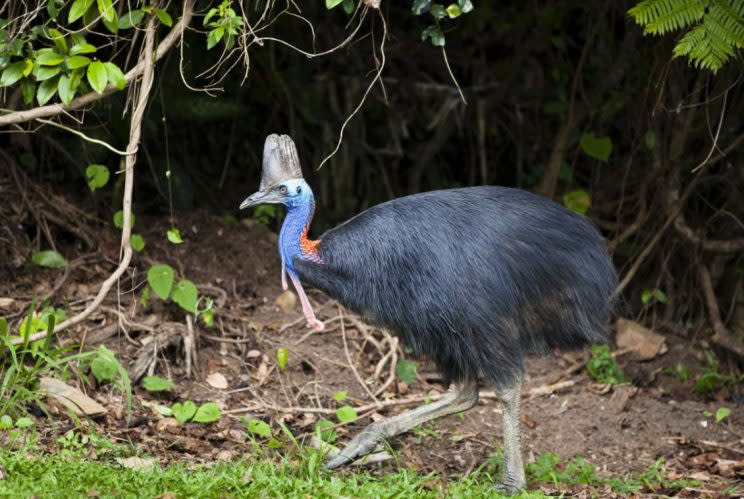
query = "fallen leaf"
{"x": 6, "y": 302}
{"x": 166, "y": 423}
{"x": 226, "y": 455}
{"x": 633, "y": 336}
{"x": 137, "y": 463}
{"x": 252, "y": 354}
{"x": 71, "y": 397}
{"x": 286, "y": 301}
{"x": 703, "y": 476}
{"x": 217, "y": 380}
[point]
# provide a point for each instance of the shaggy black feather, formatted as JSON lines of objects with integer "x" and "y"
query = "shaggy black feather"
{"x": 473, "y": 278}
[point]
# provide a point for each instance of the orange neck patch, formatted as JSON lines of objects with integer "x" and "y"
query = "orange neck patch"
{"x": 308, "y": 246}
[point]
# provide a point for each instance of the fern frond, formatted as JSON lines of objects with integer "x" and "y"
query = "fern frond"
{"x": 715, "y": 27}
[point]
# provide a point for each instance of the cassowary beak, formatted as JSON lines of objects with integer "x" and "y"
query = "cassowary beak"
{"x": 262, "y": 197}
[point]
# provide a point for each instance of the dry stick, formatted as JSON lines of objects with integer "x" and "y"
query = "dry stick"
{"x": 134, "y": 138}
{"x": 348, "y": 358}
{"x": 722, "y": 335}
{"x": 55, "y": 109}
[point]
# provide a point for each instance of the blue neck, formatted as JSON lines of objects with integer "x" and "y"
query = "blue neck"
{"x": 300, "y": 211}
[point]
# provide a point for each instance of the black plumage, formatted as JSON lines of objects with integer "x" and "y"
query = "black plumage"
{"x": 474, "y": 278}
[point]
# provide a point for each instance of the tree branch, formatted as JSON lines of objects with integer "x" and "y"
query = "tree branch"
{"x": 134, "y": 73}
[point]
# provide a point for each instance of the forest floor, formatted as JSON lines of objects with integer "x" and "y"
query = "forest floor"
{"x": 656, "y": 433}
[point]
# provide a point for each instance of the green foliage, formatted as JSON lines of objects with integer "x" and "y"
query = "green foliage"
{"x": 603, "y": 367}
{"x": 406, "y": 370}
{"x": 207, "y": 413}
{"x": 722, "y": 413}
{"x": 340, "y": 396}
{"x": 282, "y": 355}
{"x": 649, "y": 295}
{"x": 185, "y": 295}
{"x": 439, "y": 12}
{"x": 260, "y": 428}
{"x": 97, "y": 175}
{"x": 119, "y": 219}
{"x": 174, "y": 235}
{"x": 49, "y": 258}
{"x": 711, "y": 379}
{"x": 183, "y": 412}
{"x": 187, "y": 411}
{"x": 161, "y": 277}
{"x": 326, "y": 431}
{"x": 157, "y": 384}
{"x": 578, "y": 201}
{"x": 346, "y": 414}
{"x": 137, "y": 242}
{"x": 266, "y": 213}
{"x": 224, "y": 24}
{"x": 714, "y": 29}
{"x": 597, "y": 147}
{"x": 106, "y": 368}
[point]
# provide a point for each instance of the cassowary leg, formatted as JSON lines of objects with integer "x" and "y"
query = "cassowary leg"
{"x": 307, "y": 309}
{"x": 512, "y": 478}
{"x": 456, "y": 400}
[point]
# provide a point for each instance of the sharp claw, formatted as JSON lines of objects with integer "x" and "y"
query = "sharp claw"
{"x": 362, "y": 444}
{"x": 316, "y": 324}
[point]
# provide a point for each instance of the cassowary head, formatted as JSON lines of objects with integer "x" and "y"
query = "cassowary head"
{"x": 281, "y": 180}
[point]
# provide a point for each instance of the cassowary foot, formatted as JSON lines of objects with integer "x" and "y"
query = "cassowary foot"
{"x": 316, "y": 324}
{"x": 364, "y": 443}
{"x": 510, "y": 486}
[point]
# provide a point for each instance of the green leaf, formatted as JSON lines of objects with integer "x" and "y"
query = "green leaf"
{"x": 46, "y": 73}
{"x": 214, "y": 37}
{"x": 650, "y": 139}
{"x": 346, "y": 414}
{"x": 597, "y": 147}
{"x": 49, "y": 258}
{"x": 577, "y": 201}
{"x": 332, "y": 3}
{"x": 12, "y": 73}
{"x": 6, "y": 422}
{"x": 130, "y": 19}
{"x": 104, "y": 366}
{"x": 174, "y": 235}
{"x": 157, "y": 384}
{"x": 112, "y": 25}
{"x": 282, "y": 356}
{"x": 465, "y": 6}
{"x": 138, "y": 244}
{"x": 208, "y": 313}
{"x": 77, "y": 61}
{"x": 340, "y": 396}
{"x": 435, "y": 34}
{"x": 438, "y": 11}
{"x": 66, "y": 93}
{"x": 275, "y": 444}
{"x": 164, "y": 17}
{"x": 186, "y": 295}
{"x": 24, "y": 423}
{"x": 50, "y": 58}
{"x": 115, "y": 75}
{"x": 722, "y": 413}
{"x": 160, "y": 279}
{"x": 183, "y": 412}
{"x": 28, "y": 88}
{"x": 646, "y": 296}
{"x": 82, "y": 48}
{"x": 145, "y": 297}
{"x": 79, "y": 7}
{"x": 325, "y": 430}
{"x": 420, "y": 6}
{"x": 406, "y": 370}
{"x": 119, "y": 220}
{"x": 348, "y": 6}
{"x": 207, "y": 413}
{"x": 454, "y": 11}
{"x": 660, "y": 296}
{"x": 97, "y": 76}
{"x": 3, "y": 327}
{"x": 260, "y": 428}
{"x": 97, "y": 176}
{"x": 106, "y": 8}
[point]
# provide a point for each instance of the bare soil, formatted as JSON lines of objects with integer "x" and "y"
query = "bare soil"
{"x": 618, "y": 429}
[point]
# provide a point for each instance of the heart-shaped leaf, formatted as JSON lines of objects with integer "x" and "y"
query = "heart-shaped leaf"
{"x": 160, "y": 278}
{"x": 207, "y": 413}
{"x": 186, "y": 295}
{"x": 183, "y": 412}
{"x": 346, "y": 414}
{"x": 597, "y": 147}
{"x": 97, "y": 175}
{"x": 406, "y": 370}
{"x": 49, "y": 258}
{"x": 577, "y": 201}
{"x": 119, "y": 219}
{"x": 174, "y": 235}
{"x": 137, "y": 242}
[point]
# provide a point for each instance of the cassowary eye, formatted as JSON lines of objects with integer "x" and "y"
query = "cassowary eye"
{"x": 283, "y": 189}
{"x": 299, "y": 189}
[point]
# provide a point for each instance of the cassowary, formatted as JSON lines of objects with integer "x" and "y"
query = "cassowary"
{"x": 474, "y": 278}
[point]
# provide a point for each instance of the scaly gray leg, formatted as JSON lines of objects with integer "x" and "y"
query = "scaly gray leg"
{"x": 512, "y": 478}
{"x": 456, "y": 400}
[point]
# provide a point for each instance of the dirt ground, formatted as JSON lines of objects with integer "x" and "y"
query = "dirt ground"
{"x": 619, "y": 430}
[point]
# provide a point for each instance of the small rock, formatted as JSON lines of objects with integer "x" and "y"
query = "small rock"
{"x": 645, "y": 342}
{"x": 165, "y": 423}
{"x": 217, "y": 380}
{"x": 286, "y": 301}
{"x": 225, "y": 455}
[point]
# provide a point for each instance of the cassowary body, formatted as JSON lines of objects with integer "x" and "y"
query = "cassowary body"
{"x": 473, "y": 278}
